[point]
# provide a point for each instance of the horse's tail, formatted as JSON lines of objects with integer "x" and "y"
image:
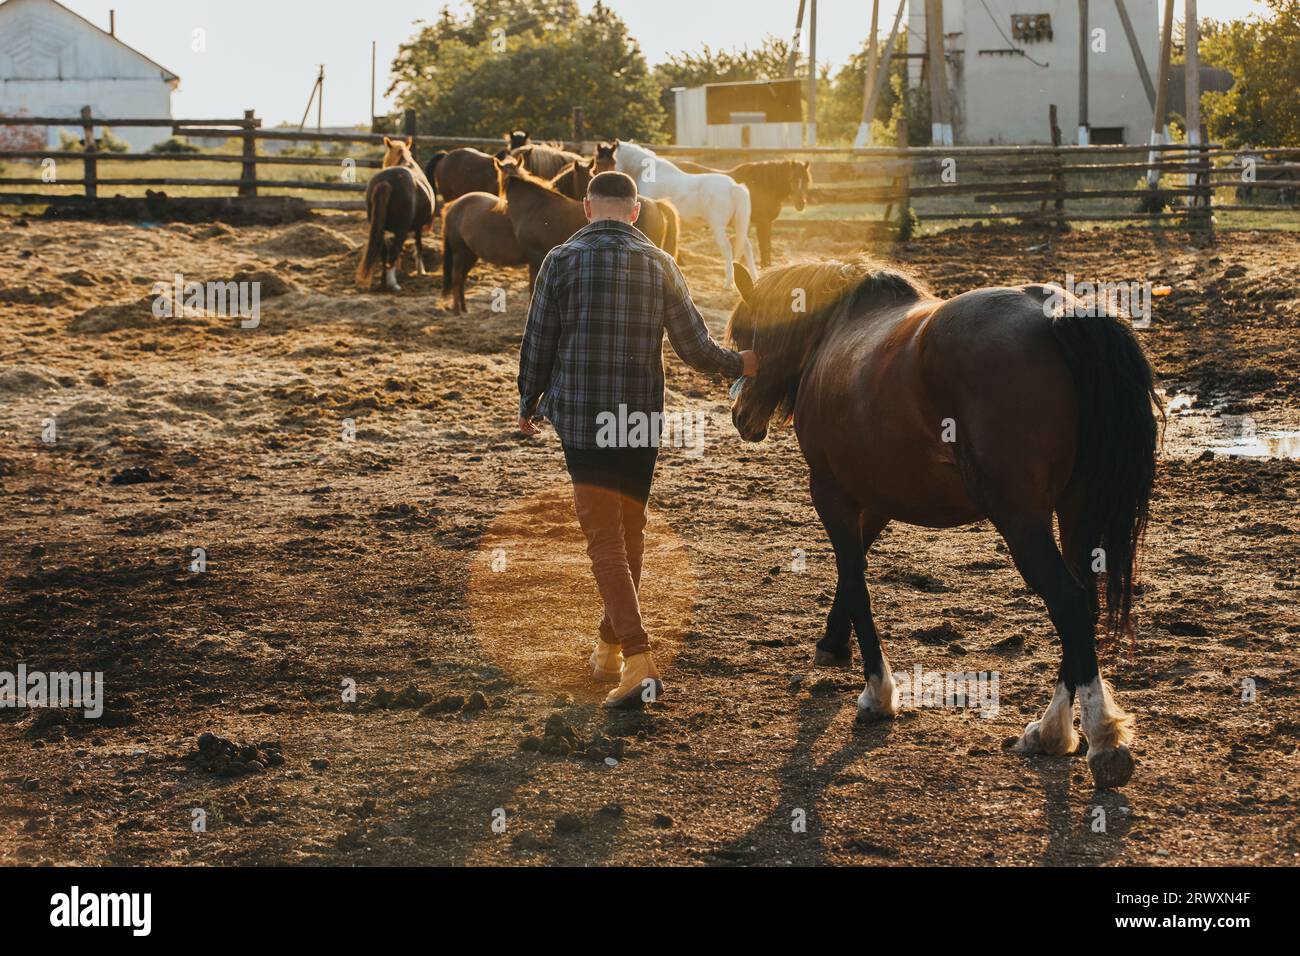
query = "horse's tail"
{"x": 430, "y": 170}
{"x": 672, "y": 226}
{"x": 1116, "y": 455}
{"x": 377, "y": 210}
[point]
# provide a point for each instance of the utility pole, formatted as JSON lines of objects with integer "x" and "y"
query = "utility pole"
{"x": 882, "y": 77}
{"x": 320, "y": 100}
{"x": 1192, "y": 80}
{"x": 1162, "y": 91}
{"x": 940, "y": 118}
{"x": 374, "y": 55}
{"x": 864, "y": 127}
{"x": 795, "y": 41}
{"x": 1083, "y": 73}
{"x": 1193, "y": 72}
{"x": 812, "y": 74}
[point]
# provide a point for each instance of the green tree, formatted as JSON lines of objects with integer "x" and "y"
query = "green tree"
{"x": 839, "y": 98}
{"x": 511, "y": 64}
{"x": 1264, "y": 57}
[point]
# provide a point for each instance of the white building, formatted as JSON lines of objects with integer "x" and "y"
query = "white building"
{"x": 1010, "y": 60}
{"x": 53, "y": 62}
{"x": 767, "y": 113}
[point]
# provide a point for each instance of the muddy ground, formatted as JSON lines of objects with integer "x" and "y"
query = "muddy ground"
{"x": 432, "y": 560}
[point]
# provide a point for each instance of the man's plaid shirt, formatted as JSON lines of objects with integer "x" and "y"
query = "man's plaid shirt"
{"x": 594, "y": 339}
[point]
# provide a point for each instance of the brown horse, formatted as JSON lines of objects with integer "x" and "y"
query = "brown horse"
{"x": 543, "y": 160}
{"x": 770, "y": 184}
{"x": 399, "y": 199}
{"x": 541, "y": 217}
{"x": 462, "y": 171}
{"x": 1011, "y": 404}
{"x": 474, "y": 228}
{"x": 658, "y": 220}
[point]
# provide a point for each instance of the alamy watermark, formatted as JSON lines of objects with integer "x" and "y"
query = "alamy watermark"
{"x": 1092, "y": 299}
{"x": 25, "y": 688}
{"x": 977, "y": 690}
{"x": 637, "y": 429}
{"x": 230, "y": 299}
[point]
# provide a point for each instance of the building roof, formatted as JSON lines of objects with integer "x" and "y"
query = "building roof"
{"x": 168, "y": 75}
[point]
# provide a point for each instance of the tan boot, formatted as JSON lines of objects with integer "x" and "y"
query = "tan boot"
{"x": 606, "y": 661}
{"x": 640, "y": 684}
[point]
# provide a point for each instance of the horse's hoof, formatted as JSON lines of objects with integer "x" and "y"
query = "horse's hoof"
{"x": 1029, "y": 742}
{"x": 827, "y": 659}
{"x": 1111, "y": 768}
{"x": 877, "y": 702}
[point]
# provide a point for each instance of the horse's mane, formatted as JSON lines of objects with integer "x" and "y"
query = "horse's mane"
{"x": 505, "y": 174}
{"x": 829, "y": 291}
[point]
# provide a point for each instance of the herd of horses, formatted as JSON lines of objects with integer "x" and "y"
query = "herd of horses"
{"x": 512, "y": 208}
{"x": 1014, "y": 405}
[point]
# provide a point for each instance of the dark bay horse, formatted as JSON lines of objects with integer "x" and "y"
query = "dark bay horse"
{"x": 770, "y": 184}
{"x": 1010, "y": 404}
{"x": 461, "y": 171}
{"x": 399, "y": 200}
{"x": 658, "y": 220}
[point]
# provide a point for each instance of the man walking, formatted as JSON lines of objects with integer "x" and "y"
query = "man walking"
{"x": 592, "y": 349}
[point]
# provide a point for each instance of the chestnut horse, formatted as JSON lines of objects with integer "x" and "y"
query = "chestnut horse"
{"x": 399, "y": 199}
{"x": 770, "y": 184}
{"x": 658, "y": 220}
{"x": 474, "y": 228}
{"x": 1006, "y": 403}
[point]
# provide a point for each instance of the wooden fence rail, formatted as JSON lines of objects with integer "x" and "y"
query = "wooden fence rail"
{"x": 1055, "y": 182}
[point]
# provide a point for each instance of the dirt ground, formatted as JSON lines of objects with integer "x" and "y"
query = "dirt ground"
{"x": 432, "y": 562}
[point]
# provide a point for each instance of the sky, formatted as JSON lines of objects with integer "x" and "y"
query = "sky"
{"x": 264, "y": 54}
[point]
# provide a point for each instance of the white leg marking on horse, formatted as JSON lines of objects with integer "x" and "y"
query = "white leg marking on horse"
{"x": 390, "y": 279}
{"x": 1109, "y": 731}
{"x": 1053, "y": 733}
{"x": 879, "y": 698}
{"x": 1104, "y": 723}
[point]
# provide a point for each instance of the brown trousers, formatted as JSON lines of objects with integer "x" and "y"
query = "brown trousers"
{"x": 611, "y": 489}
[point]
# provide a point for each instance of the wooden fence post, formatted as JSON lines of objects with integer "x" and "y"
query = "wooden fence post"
{"x": 248, "y": 172}
{"x": 1204, "y": 178}
{"x": 904, "y": 204}
{"x": 579, "y": 126}
{"x": 408, "y": 123}
{"x": 91, "y": 165}
{"x": 1058, "y": 178}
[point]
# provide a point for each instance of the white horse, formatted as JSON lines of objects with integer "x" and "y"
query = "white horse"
{"x": 715, "y": 198}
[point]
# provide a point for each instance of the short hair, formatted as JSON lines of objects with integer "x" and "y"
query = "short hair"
{"x": 612, "y": 185}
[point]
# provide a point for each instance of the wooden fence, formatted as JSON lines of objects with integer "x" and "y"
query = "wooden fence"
{"x": 1053, "y": 184}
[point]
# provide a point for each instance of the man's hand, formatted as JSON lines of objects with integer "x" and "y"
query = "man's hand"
{"x": 528, "y": 426}
{"x": 751, "y": 363}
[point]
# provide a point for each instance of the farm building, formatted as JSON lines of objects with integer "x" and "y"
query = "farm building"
{"x": 761, "y": 113}
{"x": 1010, "y": 60}
{"x": 53, "y": 62}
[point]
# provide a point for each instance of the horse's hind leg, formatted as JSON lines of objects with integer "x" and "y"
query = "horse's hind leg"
{"x": 1108, "y": 727}
{"x": 833, "y": 649}
{"x": 419, "y": 254}
{"x": 1029, "y": 538}
{"x": 845, "y": 525}
{"x": 392, "y": 260}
